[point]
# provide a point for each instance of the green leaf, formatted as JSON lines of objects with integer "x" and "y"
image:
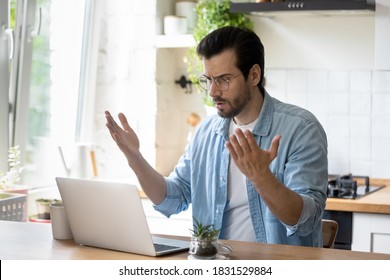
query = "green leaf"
{"x": 203, "y": 231}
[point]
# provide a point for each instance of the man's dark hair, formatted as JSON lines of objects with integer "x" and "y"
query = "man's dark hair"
{"x": 246, "y": 44}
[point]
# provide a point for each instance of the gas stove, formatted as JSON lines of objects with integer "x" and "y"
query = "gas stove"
{"x": 349, "y": 186}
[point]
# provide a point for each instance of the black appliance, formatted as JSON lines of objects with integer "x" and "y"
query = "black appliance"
{"x": 344, "y": 234}
{"x": 302, "y": 6}
{"x": 349, "y": 186}
{"x": 346, "y": 187}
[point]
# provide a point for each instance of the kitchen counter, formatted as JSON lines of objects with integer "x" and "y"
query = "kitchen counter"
{"x": 376, "y": 202}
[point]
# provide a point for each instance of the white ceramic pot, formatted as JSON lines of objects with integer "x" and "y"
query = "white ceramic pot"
{"x": 174, "y": 25}
{"x": 187, "y": 9}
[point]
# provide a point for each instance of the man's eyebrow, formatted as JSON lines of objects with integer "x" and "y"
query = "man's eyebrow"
{"x": 216, "y": 77}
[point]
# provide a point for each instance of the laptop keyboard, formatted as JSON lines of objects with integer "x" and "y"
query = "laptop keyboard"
{"x": 162, "y": 247}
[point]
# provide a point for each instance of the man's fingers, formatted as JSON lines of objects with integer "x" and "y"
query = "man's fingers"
{"x": 273, "y": 150}
{"x": 236, "y": 144}
{"x": 231, "y": 150}
{"x": 250, "y": 139}
{"x": 113, "y": 127}
{"x": 111, "y": 123}
{"x": 124, "y": 122}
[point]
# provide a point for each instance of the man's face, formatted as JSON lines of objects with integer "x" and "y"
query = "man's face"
{"x": 232, "y": 101}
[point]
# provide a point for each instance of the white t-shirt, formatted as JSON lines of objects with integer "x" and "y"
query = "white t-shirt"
{"x": 237, "y": 223}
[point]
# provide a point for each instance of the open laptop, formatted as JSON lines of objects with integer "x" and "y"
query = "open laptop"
{"x": 111, "y": 216}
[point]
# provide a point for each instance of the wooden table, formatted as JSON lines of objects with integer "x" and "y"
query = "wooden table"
{"x": 27, "y": 241}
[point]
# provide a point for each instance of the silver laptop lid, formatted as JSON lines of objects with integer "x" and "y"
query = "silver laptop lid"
{"x": 107, "y": 215}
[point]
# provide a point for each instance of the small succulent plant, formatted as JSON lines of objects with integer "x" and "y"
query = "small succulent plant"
{"x": 202, "y": 231}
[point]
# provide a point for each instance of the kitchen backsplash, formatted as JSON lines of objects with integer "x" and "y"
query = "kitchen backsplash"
{"x": 354, "y": 108}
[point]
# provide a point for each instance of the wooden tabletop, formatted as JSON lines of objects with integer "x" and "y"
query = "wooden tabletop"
{"x": 28, "y": 241}
{"x": 376, "y": 202}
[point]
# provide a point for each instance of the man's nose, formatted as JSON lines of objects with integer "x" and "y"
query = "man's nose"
{"x": 214, "y": 90}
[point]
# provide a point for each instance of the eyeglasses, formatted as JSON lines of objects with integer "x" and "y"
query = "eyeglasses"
{"x": 221, "y": 82}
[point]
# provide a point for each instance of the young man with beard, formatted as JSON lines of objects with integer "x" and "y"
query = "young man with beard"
{"x": 258, "y": 169}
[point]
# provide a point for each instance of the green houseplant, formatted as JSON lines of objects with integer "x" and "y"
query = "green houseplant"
{"x": 211, "y": 15}
{"x": 43, "y": 207}
{"x": 203, "y": 240}
{"x": 12, "y": 176}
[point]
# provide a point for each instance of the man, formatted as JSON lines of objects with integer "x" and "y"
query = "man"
{"x": 258, "y": 170}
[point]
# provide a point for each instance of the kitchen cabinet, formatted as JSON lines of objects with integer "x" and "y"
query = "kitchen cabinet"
{"x": 371, "y": 233}
{"x": 370, "y": 218}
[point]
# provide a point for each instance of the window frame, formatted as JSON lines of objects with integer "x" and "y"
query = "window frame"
{"x": 15, "y": 76}
{"x": 5, "y": 40}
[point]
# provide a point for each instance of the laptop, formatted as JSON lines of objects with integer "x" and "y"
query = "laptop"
{"x": 111, "y": 216}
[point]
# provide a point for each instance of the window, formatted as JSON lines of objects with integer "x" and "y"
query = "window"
{"x": 5, "y": 46}
{"x": 44, "y": 82}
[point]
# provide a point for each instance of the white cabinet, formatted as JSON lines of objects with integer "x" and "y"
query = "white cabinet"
{"x": 371, "y": 233}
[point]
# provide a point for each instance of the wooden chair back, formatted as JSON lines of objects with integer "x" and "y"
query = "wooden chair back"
{"x": 329, "y": 232}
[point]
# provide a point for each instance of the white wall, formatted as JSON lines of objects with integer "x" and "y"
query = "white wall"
{"x": 325, "y": 64}
{"x": 354, "y": 108}
{"x": 174, "y": 106}
{"x": 318, "y": 42}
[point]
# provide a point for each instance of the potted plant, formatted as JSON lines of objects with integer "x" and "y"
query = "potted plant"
{"x": 43, "y": 207}
{"x": 9, "y": 179}
{"x": 203, "y": 240}
{"x": 211, "y": 15}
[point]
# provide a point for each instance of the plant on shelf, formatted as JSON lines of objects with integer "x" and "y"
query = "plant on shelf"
{"x": 202, "y": 240}
{"x": 12, "y": 176}
{"x": 211, "y": 15}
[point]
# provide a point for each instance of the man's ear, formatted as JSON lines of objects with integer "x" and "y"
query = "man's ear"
{"x": 255, "y": 75}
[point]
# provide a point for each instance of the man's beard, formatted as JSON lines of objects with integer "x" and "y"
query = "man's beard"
{"x": 236, "y": 106}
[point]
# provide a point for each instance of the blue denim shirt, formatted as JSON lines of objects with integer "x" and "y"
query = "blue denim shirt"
{"x": 200, "y": 177}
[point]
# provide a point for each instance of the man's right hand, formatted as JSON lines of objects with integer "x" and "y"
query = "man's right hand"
{"x": 150, "y": 180}
{"x": 124, "y": 136}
